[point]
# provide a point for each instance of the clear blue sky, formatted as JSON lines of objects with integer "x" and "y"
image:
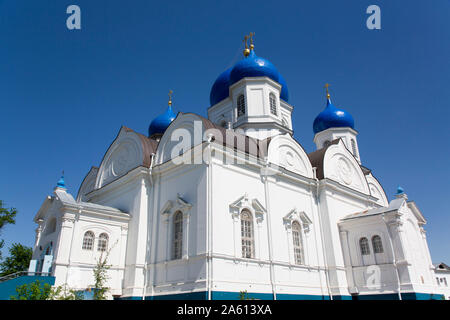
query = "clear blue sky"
{"x": 64, "y": 94}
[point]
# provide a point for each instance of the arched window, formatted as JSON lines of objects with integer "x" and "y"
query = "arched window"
{"x": 377, "y": 244}
{"x": 248, "y": 243}
{"x": 354, "y": 148}
{"x": 177, "y": 235}
{"x": 102, "y": 244}
{"x": 273, "y": 104}
{"x": 364, "y": 245}
{"x": 240, "y": 105}
{"x": 298, "y": 243}
{"x": 88, "y": 240}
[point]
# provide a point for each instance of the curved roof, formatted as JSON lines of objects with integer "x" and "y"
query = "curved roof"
{"x": 332, "y": 117}
{"x": 316, "y": 159}
{"x": 161, "y": 122}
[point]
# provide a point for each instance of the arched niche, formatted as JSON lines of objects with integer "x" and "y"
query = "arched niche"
{"x": 341, "y": 166}
{"x": 124, "y": 154}
{"x": 185, "y": 132}
{"x": 88, "y": 184}
{"x": 285, "y": 152}
{"x": 376, "y": 190}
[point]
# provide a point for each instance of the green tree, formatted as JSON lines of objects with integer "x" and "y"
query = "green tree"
{"x": 7, "y": 216}
{"x": 36, "y": 290}
{"x": 64, "y": 293}
{"x": 18, "y": 260}
{"x": 243, "y": 295}
{"x": 101, "y": 276}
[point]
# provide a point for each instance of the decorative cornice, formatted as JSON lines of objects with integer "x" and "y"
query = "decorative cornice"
{"x": 253, "y": 205}
{"x": 296, "y": 215}
{"x": 172, "y": 206}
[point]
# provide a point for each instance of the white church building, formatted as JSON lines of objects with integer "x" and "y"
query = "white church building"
{"x": 210, "y": 208}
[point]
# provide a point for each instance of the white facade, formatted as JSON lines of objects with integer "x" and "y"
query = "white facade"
{"x": 257, "y": 213}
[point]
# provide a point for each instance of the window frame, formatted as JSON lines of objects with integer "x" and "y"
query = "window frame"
{"x": 273, "y": 104}
{"x": 364, "y": 246}
{"x": 377, "y": 244}
{"x": 241, "y": 105}
{"x": 88, "y": 246}
{"x": 102, "y": 242}
{"x": 298, "y": 244}
{"x": 247, "y": 234}
{"x": 177, "y": 235}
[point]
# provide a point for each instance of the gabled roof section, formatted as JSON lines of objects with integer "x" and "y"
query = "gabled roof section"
{"x": 252, "y": 146}
{"x": 88, "y": 183}
{"x": 394, "y": 205}
{"x": 317, "y": 157}
{"x": 148, "y": 145}
{"x": 65, "y": 199}
{"x": 442, "y": 266}
{"x": 365, "y": 170}
{"x": 413, "y": 206}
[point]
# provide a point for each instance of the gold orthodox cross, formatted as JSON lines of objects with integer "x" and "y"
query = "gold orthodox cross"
{"x": 170, "y": 97}
{"x": 326, "y": 87}
{"x": 245, "y": 41}
{"x": 251, "y": 39}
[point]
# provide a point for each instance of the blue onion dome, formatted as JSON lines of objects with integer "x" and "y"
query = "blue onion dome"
{"x": 250, "y": 66}
{"x": 400, "y": 190}
{"x": 159, "y": 125}
{"x": 220, "y": 88}
{"x": 253, "y": 66}
{"x": 332, "y": 117}
{"x": 284, "y": 95}
{"x": 61, "y": 183}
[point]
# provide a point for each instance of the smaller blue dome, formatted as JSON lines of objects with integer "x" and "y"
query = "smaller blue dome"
{"x": 61, "y": 183}
{"x": 161, "y": 122}
{"x": 400, "y": 190}
{"x": 332, "y": 117}
{"x": 220, "y": 88}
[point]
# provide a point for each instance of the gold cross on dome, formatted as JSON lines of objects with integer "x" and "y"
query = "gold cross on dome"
{"x": 170, "y": 97}
{"x": 326, "y": 87}
{"x": 245, "y": 41}
{"x": 251, "y": 39}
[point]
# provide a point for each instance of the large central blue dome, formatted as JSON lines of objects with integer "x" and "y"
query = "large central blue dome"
{"x": 332, "y": 117}
{"x": 251, "y": 66}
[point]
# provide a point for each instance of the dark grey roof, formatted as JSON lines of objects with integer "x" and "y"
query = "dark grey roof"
{"x": 316, "y": 158}
{"x": 442, "y": 266}
{"x": 253, "y": 146}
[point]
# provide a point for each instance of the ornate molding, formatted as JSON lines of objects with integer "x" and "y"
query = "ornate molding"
{"x": 253, "y": 205}
{"x": 172, "y": 206}
{"x": 297, "y": 215}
